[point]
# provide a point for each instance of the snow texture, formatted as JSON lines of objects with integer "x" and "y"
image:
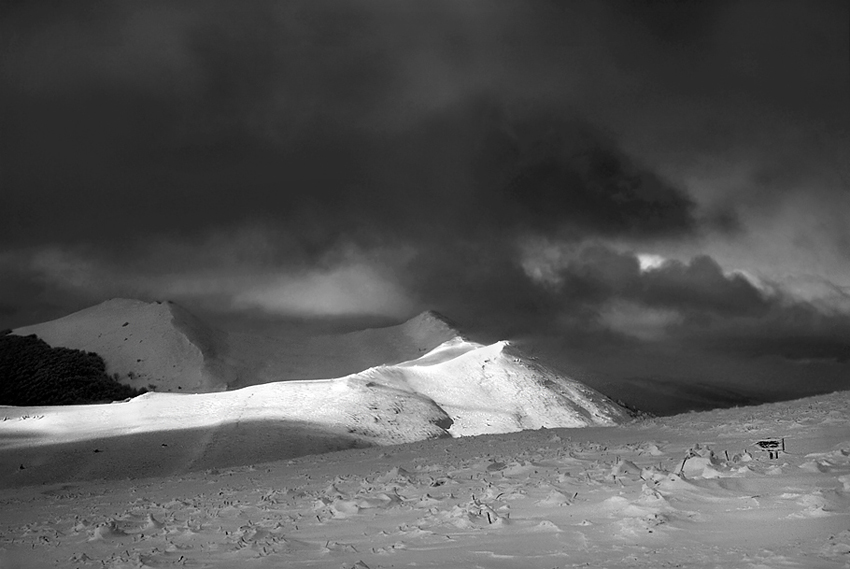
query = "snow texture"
{"x": 686, "y": 491}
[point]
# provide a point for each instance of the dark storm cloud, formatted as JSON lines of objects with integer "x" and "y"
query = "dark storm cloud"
{"x": 314, "y": 115}
{"x": 702, "y": 285}
{"x": 596, "y": 274}
{"x": 556, "y": 172}
{"x": 754, "y": 86}
{"x": 694, "y": 305}
{"x": 137, "y": 121}
{"x": 147, "y": 135}
{"x": 180, "y": 120}
{"x": 28, "y": 296}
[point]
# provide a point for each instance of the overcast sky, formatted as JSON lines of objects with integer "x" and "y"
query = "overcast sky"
{"x": 651, "y": 191}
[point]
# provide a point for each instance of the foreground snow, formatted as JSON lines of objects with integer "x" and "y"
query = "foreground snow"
{"x": 690, "y": 491}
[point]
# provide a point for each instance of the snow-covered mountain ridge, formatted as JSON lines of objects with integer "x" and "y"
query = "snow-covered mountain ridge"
{"x": 163, "y": 346}
{"x": 496, "y": 389}
{"x": 458, "y": 389}
{"x": 452, "y": 387}
{"x": 145, "y": 343}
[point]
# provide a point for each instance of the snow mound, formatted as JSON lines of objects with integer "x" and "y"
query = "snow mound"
{"x": 157, "y": 343}
{"x": 495, "y": 389}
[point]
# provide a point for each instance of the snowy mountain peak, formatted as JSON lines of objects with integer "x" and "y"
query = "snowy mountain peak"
{"x": 464, "y": 387}
{"x": 496, "y": 389}
{"x": 433, "y": 320}
{"x": 145, "y": 343}
{"x": 434, "y": 315}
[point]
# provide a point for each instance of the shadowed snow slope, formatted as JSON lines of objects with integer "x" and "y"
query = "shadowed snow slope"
{"x": 157, "y": 343}
{"x": 164, "y": 345}
{"x": 495, "y": 389}
{"x": 295, "y": 355}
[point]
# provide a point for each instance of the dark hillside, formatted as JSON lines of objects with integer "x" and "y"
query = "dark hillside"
{"x": 33, "y": 373}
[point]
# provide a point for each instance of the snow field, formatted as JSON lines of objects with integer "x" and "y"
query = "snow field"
{"x": 690, "y": 491}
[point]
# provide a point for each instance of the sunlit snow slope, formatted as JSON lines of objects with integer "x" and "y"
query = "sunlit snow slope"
{"x": 495, "y": 389}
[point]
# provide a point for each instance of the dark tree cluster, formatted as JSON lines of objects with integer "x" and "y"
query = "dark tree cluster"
{"x": 34, "y": 373}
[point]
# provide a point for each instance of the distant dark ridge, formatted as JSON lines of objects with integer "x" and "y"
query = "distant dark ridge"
{"x": 32, "y": 373}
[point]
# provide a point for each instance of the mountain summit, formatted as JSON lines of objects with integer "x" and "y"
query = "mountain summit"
{"x": 164, "y": 345}
{"x": 159, "y": 344}
{"x": 496, "y": 389}
{"x": 431, "y": 323}
{"x": 238, "y": 399}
